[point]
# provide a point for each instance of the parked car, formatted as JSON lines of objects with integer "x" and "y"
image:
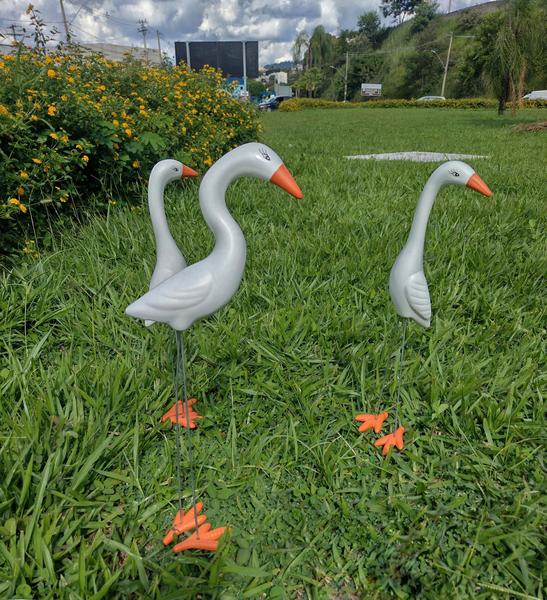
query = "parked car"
{"x": 429, "y": 98}
{"x": 536, "y": 95}
{"x": 271, "y": 103}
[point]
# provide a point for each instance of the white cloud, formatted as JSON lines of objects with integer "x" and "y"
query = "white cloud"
{"x": 273, "y": 24}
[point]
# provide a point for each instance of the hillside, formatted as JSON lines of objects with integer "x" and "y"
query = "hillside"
{"x": 413, "y": 53}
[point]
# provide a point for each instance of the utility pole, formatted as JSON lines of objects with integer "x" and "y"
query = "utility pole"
{"x": 346, "y": 78}
{"x": 446, "y": 64}
{"x": 245, "y": 66}
{"x": 14, "y": 34}
{"x": 144, "y": 30}
{"x": 67, "y": 32}
{"x": 159, "y": 43}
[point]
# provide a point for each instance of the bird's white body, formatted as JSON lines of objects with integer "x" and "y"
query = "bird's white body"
{"x": 169, "y": 259}
{"x": 204, "y": 287}
{"x": 407, "y": 283}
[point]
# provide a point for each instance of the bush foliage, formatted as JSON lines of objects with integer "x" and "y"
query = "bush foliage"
{"x": 75, "y": 127}
{"x": 295, "y": 104}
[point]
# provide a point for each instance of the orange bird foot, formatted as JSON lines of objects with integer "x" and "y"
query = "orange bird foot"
{"x": 392, "y": 439}
{"x": 171, "y": 414}
{"x": 184, "y": 521}
{"x": 204, "y": 538}
{"x": 371, "y": 421}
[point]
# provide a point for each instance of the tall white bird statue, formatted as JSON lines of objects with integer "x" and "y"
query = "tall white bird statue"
{"x": 203, "y": 288}
{"x": 206, "y": 286}
{"x": 407, "y": 283}
{"x": 169, "y": 259}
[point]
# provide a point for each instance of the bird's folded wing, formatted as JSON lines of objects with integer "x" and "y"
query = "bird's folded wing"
{"x": 171, "y": 295}
{"x": 417, "y": 295}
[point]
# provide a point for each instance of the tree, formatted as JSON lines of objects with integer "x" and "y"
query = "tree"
{"x": 320, "y": 48}
{"x": 399, "y": 9}
{"x": 423, "y": 14}
{"x": 422, "y": 74}
{"x": 255, "y": 88}
{"x": 299, "y": 47}
{"x": 518, "y": 43}
{"x": 370, "y": 27}
{"x": 309, "y": 81}
{"x": 509, "y": 50}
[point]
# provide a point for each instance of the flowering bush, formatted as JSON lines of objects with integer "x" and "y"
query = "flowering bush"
{"x": 295, "y": 104}
{"x": 75, "y": 127}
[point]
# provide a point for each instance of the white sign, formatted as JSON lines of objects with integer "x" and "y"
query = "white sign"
{"x": 371, "y": 89}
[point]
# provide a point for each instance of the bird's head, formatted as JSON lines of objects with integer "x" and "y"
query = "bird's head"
{"x": 460, "y": 173}
{"x": 261, "y": 161}
{"x": 171, "y": 170}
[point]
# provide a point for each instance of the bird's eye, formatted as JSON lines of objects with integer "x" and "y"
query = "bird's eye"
{"x": 264, "y": 153}
{"x": 454, "y": 172}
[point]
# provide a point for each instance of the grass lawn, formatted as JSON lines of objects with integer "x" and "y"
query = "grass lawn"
{"x": 87, "y": 479}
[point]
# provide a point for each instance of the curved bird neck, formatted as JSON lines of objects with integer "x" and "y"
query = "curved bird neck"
{"x": 416, "y": 237}
{"x": 212, "y": 201}
{"x": 165, "y": 244}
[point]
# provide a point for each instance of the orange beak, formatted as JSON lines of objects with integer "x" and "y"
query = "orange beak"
{"x": 477, "y": 184}
{"x": 188, "y": 172}
{"x": 283, "y": 179}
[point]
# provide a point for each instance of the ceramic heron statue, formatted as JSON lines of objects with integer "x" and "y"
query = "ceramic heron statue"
{"x": 407, "y": 283}
{"x": 202, "y": 288}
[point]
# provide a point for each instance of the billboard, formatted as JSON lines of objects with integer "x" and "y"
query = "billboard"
{"x": 234, "y": 59}
{"x": 371, "y": 89}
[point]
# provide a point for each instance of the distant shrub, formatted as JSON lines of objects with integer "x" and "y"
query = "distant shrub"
{"x": 295, "y": 104}
{"x": 73, "y": 126}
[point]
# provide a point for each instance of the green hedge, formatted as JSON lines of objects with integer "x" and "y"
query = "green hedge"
{"x": 296, "y": 104}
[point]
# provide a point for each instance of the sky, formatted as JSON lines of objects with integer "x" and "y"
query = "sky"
{"x": 274, "y": 23}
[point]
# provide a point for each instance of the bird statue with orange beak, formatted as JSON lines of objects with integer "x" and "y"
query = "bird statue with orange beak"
{"x": 407, "y": 283}
{"x": 201, "y": 289}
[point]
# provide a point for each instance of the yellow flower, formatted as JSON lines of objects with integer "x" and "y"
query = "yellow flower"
{"x": 85, "y": 158}
{"x": 128, "y": 132}
{"x": 23, "y": 174}
{"x": 22, "y": 207}
{"x": 115, "y": 122}
{"x": 64, "y": 198}
{"x": 136, "y": 164}
{"x": 64, "y": 138}
{"x": 14, "y": 201}
{"x": 51, "y": 110}
{"x": 51, "y": 73}
{"x": 20, "y": 191}
{"x": 64, "y": 97}
{"x": 53, "y": 136}
{"x": 33, "y": 118}
{"x": 79, "y": 146}
{"x": 3, "y": 110}
{"x": 36, "y": 161}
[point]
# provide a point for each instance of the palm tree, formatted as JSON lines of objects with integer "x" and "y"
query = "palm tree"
{"x": 518, "y": 46}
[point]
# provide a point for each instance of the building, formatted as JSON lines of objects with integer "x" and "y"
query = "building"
{"x": 118, "y": 52}
{"x": 279, "y": 77}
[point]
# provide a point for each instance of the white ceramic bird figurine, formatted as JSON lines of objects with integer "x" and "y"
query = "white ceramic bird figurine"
{"x": 204, "y": 287}
{"x": 169, "y": 259}
{"x": 408, "y": 285}
{"x": 407, "y": 282}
